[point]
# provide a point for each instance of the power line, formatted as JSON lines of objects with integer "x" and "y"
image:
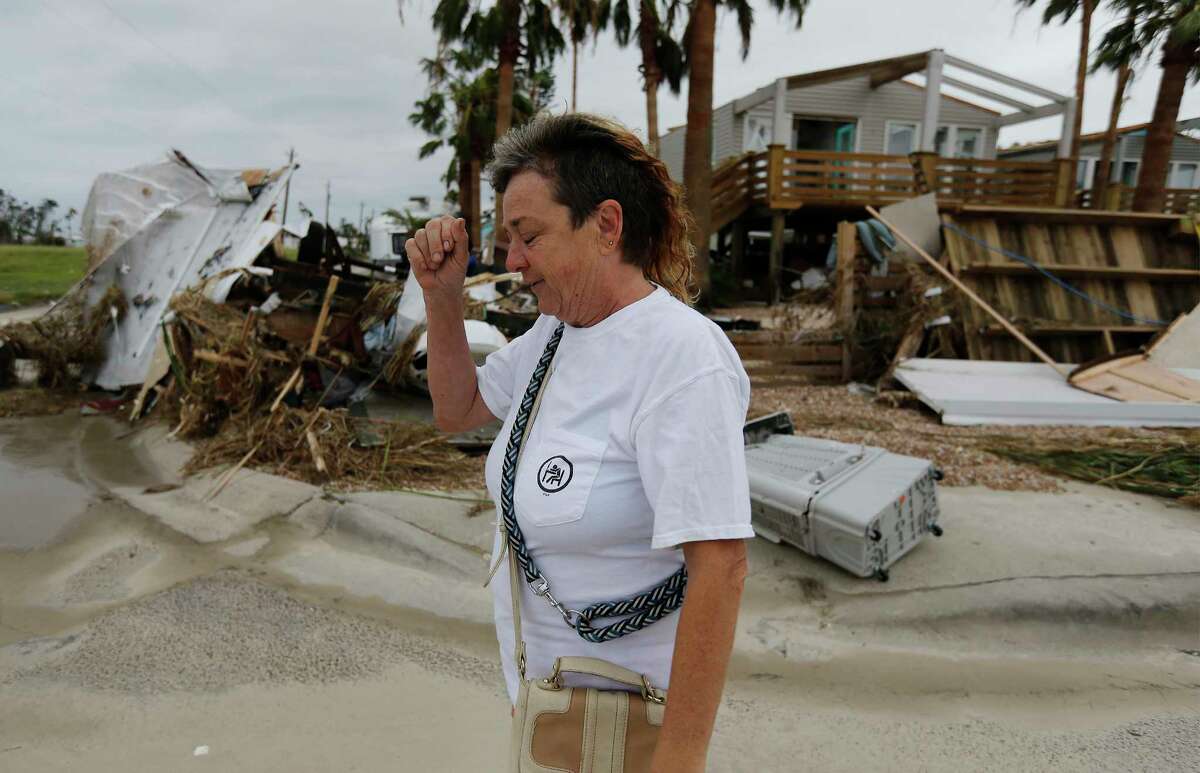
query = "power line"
{"x": 165, "y": 52}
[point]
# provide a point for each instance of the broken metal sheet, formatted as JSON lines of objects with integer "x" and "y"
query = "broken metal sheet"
{"x": 968, "y": 392}
{"x": 199, "y": 232}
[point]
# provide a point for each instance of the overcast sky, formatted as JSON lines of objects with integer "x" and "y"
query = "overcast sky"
{"x": 99, "y": 85}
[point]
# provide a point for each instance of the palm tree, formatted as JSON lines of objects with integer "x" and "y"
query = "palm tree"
{"x": 662, "y": 56}
{"x": 1175, "y": 25}
{"x": 581, "y": 18}
{"x": 504, "y": 33}
{"x": 459, "y": 112}
{"x": 697, "y": 144}
{"x": 1103, "y": 174}
{"x": 1066, "y": 9}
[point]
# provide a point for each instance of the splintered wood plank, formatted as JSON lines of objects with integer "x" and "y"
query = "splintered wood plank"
{"x": 1127, "y": 247}
{"x": 1134, "y": 378}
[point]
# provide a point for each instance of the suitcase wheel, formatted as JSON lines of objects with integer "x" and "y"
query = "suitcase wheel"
{"x": 935, "y": 530}
{"x": 881, "y": 575}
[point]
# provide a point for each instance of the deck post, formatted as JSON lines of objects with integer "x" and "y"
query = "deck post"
{"x": 1064, "y": 183}
{"x": 847, "y": 250}
{"x": 1068, "y": 126}
{"x": 933, "y": 98}
{"x": 1112, "y": 196}
{"x": 737, "y": 252}
{"x": 924, "y": 171}
{"x": 775, "y": 265}
{"x": 780, "y": 131}
{"x": 774, "y": 175}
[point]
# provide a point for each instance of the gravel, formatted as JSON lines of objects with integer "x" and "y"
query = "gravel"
{"x": 231, "y": 629}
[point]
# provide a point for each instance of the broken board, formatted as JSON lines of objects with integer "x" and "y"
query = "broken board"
{"x": 1132, "y": 377}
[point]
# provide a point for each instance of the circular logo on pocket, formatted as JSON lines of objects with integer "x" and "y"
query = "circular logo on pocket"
{"x": 554, "y": 474}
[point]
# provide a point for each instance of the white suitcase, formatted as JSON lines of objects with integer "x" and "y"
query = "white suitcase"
{"x": 860, "y": 507}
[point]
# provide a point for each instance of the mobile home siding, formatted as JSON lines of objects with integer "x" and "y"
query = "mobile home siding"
{"x": 1183, "y": 149}
{"x": 853, "y": 99}
{"x": 896, "y": 101}
{"x": 670, "y": 150}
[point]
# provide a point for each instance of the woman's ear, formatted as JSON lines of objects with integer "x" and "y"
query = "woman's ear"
{"x": 610, "y": 222}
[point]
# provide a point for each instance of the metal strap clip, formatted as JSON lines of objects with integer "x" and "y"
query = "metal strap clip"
{"x": 541, "y": 587}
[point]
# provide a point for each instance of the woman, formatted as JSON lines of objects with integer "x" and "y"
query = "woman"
{"x": 634, "y": 465}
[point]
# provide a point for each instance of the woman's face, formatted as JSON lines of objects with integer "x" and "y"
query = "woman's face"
{"x": 563, "y": 265}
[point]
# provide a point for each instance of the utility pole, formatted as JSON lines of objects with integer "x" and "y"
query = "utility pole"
{"x": 287, "y": 188}
{"x": 327, "y": 226}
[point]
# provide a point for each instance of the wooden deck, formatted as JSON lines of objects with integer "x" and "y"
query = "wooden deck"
{"x": 783, "y": 180}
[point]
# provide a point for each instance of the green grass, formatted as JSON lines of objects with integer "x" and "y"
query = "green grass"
{"x": 31, "y": 274}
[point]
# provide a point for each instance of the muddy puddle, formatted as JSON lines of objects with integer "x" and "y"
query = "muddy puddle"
{"x": 41, "y": 492}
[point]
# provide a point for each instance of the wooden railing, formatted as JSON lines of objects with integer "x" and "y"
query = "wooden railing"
{"x": 980, "y": 181}
{"x": 780, "y": 179}
{"x": 733, "y": 188}
{"x": 1179, "y": 201}
{"x": 828, "y": 177}
{"x": 1182, "y": 201}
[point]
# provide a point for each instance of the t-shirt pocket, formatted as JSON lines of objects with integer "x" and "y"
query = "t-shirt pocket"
{"x": 556, "y": 479}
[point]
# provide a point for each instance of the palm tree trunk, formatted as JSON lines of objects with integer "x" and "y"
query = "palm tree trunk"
{"x": 1081, "y": 75}
{"x": 1104, "y": 165}
{"x": 647, "y": 35}
{"x": 697, "y": 143}
{"x": 1178, "y": 59}
{"x": 574, "y": 74}
{"x": 510, "y": 48}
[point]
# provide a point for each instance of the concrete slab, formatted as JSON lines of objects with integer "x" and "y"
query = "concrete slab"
{"x": 999, "y": 535}
{"x": 369, "y": 577}
{"x": 251, "y": 498}
{"x": 388, "y": 536}
{"x": 455, "y": 517}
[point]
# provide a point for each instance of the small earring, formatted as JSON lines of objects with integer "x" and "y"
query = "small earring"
{"x": 610, "y": 244}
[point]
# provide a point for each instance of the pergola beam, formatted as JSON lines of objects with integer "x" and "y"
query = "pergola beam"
{"x": 896, "y": 70}
{"x": 962, "y": 64}
{"x": 982, "y": 92}
{"x": 1045, "y": 111}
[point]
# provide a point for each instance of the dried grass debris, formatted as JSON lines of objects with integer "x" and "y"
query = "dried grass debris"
{"x": 411, "y": 455}
{"x": 68, "y": 340}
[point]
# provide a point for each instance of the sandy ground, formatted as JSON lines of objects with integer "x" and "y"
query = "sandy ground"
{"x": 300, "y": 632}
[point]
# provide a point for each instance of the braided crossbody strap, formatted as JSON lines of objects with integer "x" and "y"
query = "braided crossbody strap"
{"x": 640, "y": 610}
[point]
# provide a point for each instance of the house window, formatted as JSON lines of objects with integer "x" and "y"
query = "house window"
{"x": 952, "y": 141}
{"x": 901, "y": 138}
{"x": 968, "y": 142}
{"x": 1129, "y": 172}
{"x": 1183, "y": 175}
{"x": 836, "y": 134}
{"x": 758, "y": 133}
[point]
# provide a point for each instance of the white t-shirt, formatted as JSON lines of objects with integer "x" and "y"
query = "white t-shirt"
{"x": 637, "y": 448}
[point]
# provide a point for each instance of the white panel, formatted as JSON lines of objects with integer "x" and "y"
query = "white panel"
{"x": 967, "y": 392}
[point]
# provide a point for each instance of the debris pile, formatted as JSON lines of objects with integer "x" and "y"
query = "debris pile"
{"x": 65, "y": 342}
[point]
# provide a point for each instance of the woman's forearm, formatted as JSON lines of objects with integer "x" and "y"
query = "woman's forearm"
{"x": 452, "y": 383}
{"x": 703, "y": 643}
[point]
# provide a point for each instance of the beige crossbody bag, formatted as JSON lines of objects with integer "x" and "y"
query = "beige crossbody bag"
{"x": 560, "y": 729}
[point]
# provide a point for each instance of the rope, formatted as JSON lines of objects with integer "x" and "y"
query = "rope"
{"x": 1061, "y": 283}
{"x": 644, "y": 608}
